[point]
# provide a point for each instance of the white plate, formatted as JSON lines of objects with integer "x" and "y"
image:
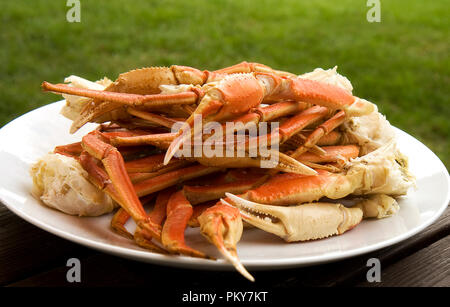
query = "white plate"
{"x": 30, "y": 136}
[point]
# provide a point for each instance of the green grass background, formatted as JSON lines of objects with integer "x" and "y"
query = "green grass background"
{"x": 401, "y": 63}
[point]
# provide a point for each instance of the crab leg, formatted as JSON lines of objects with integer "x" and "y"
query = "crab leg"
{"x": 71, "y": 150}
{"x": 327, "y": 167}
{"x": 332, "y": 154}
{"x": 319, "y": 132}
{"x": 98, "y": 176}
{"x": 163, "y": 181}
{"x": 279, "y": 109}
{"x": 315, "y": 92}
{"x": 121, "y": 217}
{"x": 189, "y": 75}
{"x": 179, "y": 211}
{"x": 153, "y": 118}
{"x": 101, "y": 179}
{"x": 159, "y": 212}
{"x": 270, "y": 112}
{"x": 229, "y": 176}
{"x": 138, "y": 177}
{"x": 246, "y": 67}
{"x": 157, "y": 216}
{"x": 151, "y": 164}
{"x": 150, "y": 139}
{"x": 300, "y": 121}
{"x": 114, "y": 100}
{"x": 124, "y": 98}
{"x": 200, "y": 194}
{"x": 222, "y": 226}
{"x": 118, "y": 223}
{"x": 303, "y": 222}
{"x": 332, "y": 138}
{"x": 295, "y": 124}
{"x": 111, "y": 134}
{"x": 284, "y": 163}
{"x": 115, "y": 167}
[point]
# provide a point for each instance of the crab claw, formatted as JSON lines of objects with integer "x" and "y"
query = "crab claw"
{"x": 222, "y": 226}
{"x": 299, "y": 223}
{"x": 231, "y": 96}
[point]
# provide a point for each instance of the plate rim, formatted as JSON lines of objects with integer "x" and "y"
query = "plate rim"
{"x": 221, "y": 264}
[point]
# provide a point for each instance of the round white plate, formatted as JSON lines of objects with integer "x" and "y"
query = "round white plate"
{"x": 26, "y": 139}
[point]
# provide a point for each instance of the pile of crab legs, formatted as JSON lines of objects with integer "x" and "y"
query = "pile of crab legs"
{"x": 130, "y": 156}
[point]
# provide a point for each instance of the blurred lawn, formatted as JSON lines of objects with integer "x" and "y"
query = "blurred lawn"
{"x": 401, "y": 64}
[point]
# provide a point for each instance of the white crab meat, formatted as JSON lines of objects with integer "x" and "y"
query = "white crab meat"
{"x": 60, "y": 182}
{"x": 74, "y": 104}
{"x": 383, "y": 171}
{"x": 378, "y": 206}
{"x": 330, "y": 76}
{"x": 370, "y": 132}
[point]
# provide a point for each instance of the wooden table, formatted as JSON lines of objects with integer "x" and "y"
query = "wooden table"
{"x": 30, "y": 256}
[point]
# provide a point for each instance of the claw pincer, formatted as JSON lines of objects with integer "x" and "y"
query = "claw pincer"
{"x": 222, "y": 226}
{"x": 302, "y": 222}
